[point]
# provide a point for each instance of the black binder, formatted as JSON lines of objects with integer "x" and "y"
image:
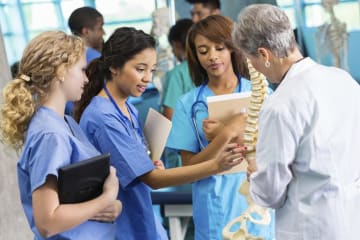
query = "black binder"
{"x": 83, "y": 181}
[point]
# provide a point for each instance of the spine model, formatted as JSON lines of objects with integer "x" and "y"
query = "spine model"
{"x": 259, "y": 90}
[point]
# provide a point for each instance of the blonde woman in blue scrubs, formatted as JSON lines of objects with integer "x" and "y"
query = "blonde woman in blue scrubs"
{"x": 217, "y": 67}
{"x": 52, "y": 73}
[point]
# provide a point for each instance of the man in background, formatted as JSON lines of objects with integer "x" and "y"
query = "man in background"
{"x": 177, "y": 81}
{"x": 87, "y": 23}
{"x": 203, "y": 8}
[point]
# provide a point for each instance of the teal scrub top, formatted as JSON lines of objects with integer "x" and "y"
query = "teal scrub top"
{"x": 177, "y": 83}
{"x": 216, "y": 200}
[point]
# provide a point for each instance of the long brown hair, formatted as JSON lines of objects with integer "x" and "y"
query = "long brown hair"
{"x": 217, "y": 29}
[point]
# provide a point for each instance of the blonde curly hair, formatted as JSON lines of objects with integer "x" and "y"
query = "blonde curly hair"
{"x": 46, "y": 57}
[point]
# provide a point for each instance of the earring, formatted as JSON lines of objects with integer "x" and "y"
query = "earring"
{"x": 267, "y": 64}
{"x": 62, "y": 79}
{"x": 113, "y": 72}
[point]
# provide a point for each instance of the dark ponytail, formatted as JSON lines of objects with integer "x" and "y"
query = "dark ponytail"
{"x": 123, "y": 44}
{"x": 95, "y": 74}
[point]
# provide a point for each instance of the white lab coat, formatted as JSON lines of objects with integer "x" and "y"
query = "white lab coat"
{"x": 308, "y": 154}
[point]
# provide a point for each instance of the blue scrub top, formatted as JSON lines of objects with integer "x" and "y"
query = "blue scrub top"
{"x": 110, "y": 131}
{"x": 91, "y": 54}
{"x": 216, "y": 200}
{"x": 50, "y": 144}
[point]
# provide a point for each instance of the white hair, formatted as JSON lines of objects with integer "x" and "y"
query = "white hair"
{"x": 264, "y": 25}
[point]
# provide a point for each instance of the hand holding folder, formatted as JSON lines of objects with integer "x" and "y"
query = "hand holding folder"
{"x": 223, "y": 107}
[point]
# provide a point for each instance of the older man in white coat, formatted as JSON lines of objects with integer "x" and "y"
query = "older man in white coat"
{"x": 308, "y": 153}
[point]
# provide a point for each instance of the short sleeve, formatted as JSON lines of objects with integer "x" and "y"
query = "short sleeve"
{"x": 47, "y": 153}
{"x": 128, "y": 155}
{"x": 182, "y": 135}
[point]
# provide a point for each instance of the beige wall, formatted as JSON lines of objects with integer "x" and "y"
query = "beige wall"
{"x": 4, "y": 66}
{"x": 13, "y": 225}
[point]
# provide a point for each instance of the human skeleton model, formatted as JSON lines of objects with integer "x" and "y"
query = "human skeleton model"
{"x": 259, "y": 90}
{"x": 160, "y": 29}
{"x": 333, "y": 35}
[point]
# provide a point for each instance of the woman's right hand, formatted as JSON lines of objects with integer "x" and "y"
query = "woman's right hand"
{"x": 230, "y": 157}
{"x": 111, "y": 184}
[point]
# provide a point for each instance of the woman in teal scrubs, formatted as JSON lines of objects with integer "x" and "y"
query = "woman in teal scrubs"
{"x": 217, "y": 67}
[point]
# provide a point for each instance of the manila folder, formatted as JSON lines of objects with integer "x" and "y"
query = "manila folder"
{"x": 222, "y": 107}
{"x": 157, "y": 129}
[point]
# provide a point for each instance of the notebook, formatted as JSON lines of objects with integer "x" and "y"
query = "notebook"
{"x": 222, "y": 107}
{"x": 83, "y": 181}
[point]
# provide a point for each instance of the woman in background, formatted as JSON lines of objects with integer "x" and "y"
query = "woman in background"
{"x": 177, "y": 81}
{"x": 307, "y": 153}
{"x": 217, "y": 67}
{"x": 51, "y": 72}
{"x": 124, "y": 69}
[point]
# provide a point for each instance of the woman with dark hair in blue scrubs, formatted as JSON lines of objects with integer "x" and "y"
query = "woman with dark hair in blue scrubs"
{"x": 111, "y": 123}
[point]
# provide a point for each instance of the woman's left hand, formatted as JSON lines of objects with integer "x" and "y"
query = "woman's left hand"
{"x": 211, "y": 128}
{"x": 110, "y": 213}
{"x": 159, "y": 165}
